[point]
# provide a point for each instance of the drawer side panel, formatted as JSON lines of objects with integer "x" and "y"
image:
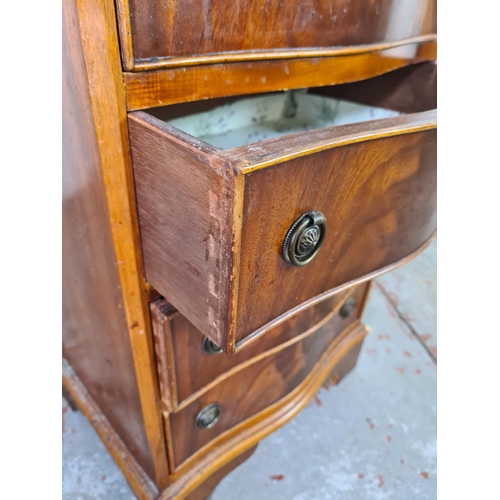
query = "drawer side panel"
{"x": 185, "y": 217}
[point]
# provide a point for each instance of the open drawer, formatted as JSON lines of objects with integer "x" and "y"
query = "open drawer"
{"x": 236, "y": 238}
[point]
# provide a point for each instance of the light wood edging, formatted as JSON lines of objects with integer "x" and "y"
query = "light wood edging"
{"x": 141, "y": 484}
{"x": 97, "y": 24}
{"x": 325, "y": 295}
{"x": 364, "y": 300}
{"x": 164, "y": 351}
{"x": 265, "y": 354}
{"x": 169, "y": 348}
{"x": 262, "y": 55}
{"x": 125, "y": 38}
{"x": 237, "y": 224}
{"x": 253, "y": 157}
{"x": 149, "y": 89}
{"x": 247, "y": 160}
{"x": 256, "y": 428}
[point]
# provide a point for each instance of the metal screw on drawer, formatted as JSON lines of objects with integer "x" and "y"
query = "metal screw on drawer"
{"x": 208, "y": 416}
{"x": 347, "y": 308}
{"x": 209, "y": 347}
{"x": 304, "y": 238}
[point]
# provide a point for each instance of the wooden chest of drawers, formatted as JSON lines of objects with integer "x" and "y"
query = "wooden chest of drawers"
{"x": 208, "y": 291}
{"x": 217, "y": 254}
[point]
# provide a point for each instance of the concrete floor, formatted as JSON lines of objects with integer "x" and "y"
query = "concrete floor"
{"x": 371, "y": 437}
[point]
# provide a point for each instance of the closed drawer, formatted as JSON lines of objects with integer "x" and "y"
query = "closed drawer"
{"x": 214, "y": 222}
{"x": 160, "y": 33}
{"x": 187, "y": 362}
{"x": 273, "y": 386}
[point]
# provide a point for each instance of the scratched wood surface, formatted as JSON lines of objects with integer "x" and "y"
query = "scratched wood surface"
{"x": 159, "y": 30}
{"x": 393, "y": 371}
{"x": 107, "y": 338}
{"x": 149, "y": 89}
{"x": 185, "y": 210}
{"x": 95, "y": 333}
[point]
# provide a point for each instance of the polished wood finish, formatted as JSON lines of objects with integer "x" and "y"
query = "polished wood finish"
{"x": 255, "y": 429}
{"x": 206, "y": 208}
{"x": 170, "y": 86}
{"x": 245, "y": 392}
{"x": 379, "y": 200}
{"x": 216, "y": 256}
{"x": 158, "y": 32}
{"x": 335, "y": 363}
{"x": 258, "y": 425}
{"x": 185, "y": 369}
{"x": 96, "y": 342}
{"x": 107, "y": 338}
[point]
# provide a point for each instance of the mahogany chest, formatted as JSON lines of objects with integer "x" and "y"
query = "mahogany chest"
{"x": 235, "y": 175}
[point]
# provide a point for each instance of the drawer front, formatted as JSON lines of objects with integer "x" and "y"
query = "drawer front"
{"x": 213, "y": 222}
{"x": 186, "y": 364}
{"x": 379, "y": 202}
{"x": 253, "y": 389}
{"x": 159, "y": 32}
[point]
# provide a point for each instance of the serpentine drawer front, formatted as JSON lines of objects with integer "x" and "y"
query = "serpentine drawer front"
{"x": 224, "y": 408}
{"x": 162, "y": 33}
{"x": 188, "y": 361}
{"x": 236, "y": 238}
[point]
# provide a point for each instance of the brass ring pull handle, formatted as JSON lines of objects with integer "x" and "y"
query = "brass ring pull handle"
{"x": 347, "y": 308}
{"x": 208, "y": 416}
{"x": 304, "y": 238}
{"x": 209, "y": 347}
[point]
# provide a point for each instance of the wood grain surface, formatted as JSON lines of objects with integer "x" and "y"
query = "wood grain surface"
{"x": 190, "y": 369}
{"x": 186, "y": 219}
{"x": 148, "y": 89}
{"x": 247, "y": 392}
{"x": 228, "y": 211}
{"x": 95, "y": 332}
{"x": 107, "y": 338}
{"x": 211, "y": 222}
{"x": 253, "y": 430}
{"x": 379, "y": 200}
{"x": 161, "y": 32}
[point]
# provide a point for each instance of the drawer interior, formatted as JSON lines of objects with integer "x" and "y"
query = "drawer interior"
{"x": 256, "y": 119}
{"x": 233, "y": 122}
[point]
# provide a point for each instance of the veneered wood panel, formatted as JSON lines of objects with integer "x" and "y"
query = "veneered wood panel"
{"x": 156, "y": 30}
{"x": 379, "y": 199}
{"x": 95, "y": 332}
{"x": 191, "y": 369}
{"x": 247, "y": 392}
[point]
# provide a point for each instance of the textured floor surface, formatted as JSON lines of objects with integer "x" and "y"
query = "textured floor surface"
{"x": 371, "y": 437}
